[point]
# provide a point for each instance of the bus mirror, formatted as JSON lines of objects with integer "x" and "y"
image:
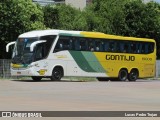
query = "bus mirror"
{"x": 35, "y": 43}
{"x": 9, "y": 44}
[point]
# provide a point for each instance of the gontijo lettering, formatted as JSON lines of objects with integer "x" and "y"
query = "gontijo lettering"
{"x": 120, "y": 57}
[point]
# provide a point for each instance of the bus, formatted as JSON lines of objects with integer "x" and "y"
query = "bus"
{"x": 60, "y": 53}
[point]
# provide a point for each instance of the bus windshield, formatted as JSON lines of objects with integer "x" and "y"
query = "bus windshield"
{"x": 22, "y": 53}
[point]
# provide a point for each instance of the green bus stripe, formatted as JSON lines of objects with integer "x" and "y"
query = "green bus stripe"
{"x": 93, "y": 62}
{"x": 81, "y": 61}
{"x": 87, "y": 61}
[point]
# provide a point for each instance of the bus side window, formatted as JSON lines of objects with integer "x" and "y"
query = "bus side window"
{"x": 66, "y": 44}
{"x": 101, "y": 46}
{"x": 143, "y": 48}
{"x": 146, "y": 48}
{"x": 112, "y": 46}
{"x": 126, "y": 48}
{"x": 76, "y": 44}
{"x": 71, "y": 44}
{"x": 39, "y": 52}
{"x": 150, "y": 47}
{"x": 106, "y": 46}
{"x": 132, "y": 47}
{"x": 118, "y": 46}
{"x": 62, "y": 44}
{"x": 138, "y": 48}
{"x": 91, "y": 45}
{"x": 48, "y": 44}
{"x": 121, "y": 46}
{"x": 83, "y": 46}
{"x": 98, "y": 46}
{"x": 59, "y": 46}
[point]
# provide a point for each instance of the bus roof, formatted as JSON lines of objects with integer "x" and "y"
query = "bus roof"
{"x": 39, "y": 33}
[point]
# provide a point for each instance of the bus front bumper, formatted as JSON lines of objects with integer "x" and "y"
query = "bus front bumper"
{"x": 24, "y": 72}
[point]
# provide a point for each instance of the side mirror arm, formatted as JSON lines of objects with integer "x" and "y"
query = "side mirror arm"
{"x": 35, "y": 43}
{"x": 9, "y": 44}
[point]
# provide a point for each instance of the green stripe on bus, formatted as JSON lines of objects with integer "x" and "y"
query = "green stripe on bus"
{"x": 93, "y": 62}
{"x": 81, "y": 61}
{"x": 87, "y": 61}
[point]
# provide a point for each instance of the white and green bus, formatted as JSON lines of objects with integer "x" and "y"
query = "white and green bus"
{"x": 58, "y": 53}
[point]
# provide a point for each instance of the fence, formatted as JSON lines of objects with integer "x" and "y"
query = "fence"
{"x": 5, "y": 68}
{"x": 158, "y": 69}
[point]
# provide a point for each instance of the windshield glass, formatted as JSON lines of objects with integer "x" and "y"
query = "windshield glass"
{"x": 22, "y": 53}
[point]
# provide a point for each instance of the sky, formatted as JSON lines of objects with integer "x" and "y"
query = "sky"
{"x": 157, "y": 1}
{"x": 153, "y": 0}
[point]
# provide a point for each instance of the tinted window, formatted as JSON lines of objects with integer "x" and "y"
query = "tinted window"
{"x": 103, "y": 45}
{"x": 48, "y": 44}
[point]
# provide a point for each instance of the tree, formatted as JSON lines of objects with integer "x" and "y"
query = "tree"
{"x": 64, "y": 17}
{"x": 143, "y": 20}
{"x": 16, "y": 17}
{"x": 110, "y": 14}
{"x": 51, "y": 16}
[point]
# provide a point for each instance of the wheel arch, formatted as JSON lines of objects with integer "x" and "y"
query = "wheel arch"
{"x": 60, "y": 67}
{"x": 53, "y": 67}
{"x": 123, "y": 68}
{"x": 135, "y": 69}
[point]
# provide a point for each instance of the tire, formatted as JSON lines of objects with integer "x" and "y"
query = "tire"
{"x": 57, "y": 74}
{"x": 102, "y": 79}
{"x": 36, "y": 78}
{"x": 133, "y": 75}
{"x": 123, "y": 74}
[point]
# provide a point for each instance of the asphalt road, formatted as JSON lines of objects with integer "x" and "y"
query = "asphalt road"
{"x": 26, "y": 95}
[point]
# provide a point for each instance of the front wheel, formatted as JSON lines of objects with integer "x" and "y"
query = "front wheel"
{"x": 57, "y": 74}
{"x": 133, "y": 75}
{"x": 122, "y": 76}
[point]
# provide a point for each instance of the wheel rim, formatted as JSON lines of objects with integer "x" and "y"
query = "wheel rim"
{"x": 123, "y": 75}
{"x": 57, "y": 74}
{"x": 133, "y": 75}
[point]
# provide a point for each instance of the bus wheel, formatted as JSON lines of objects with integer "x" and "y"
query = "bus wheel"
{"x": 57, "y": 74}
{"x": 36, "y": 78}
{"x": 102, "y": 79}
{"x": 133, "y": 75}
{"x": 122, "y": 76}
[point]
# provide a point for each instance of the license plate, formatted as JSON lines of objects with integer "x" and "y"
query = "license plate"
{"x": 18, "y": 72}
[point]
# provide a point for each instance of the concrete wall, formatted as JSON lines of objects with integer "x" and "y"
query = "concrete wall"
{"x": 158, "y": 68}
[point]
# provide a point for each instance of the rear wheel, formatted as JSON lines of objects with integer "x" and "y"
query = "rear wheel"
{"x": 57, "y": 74}
{"x": 36, "y": 78}
{"x": 123, "y": 74}
{"x": 133, "y": 75}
